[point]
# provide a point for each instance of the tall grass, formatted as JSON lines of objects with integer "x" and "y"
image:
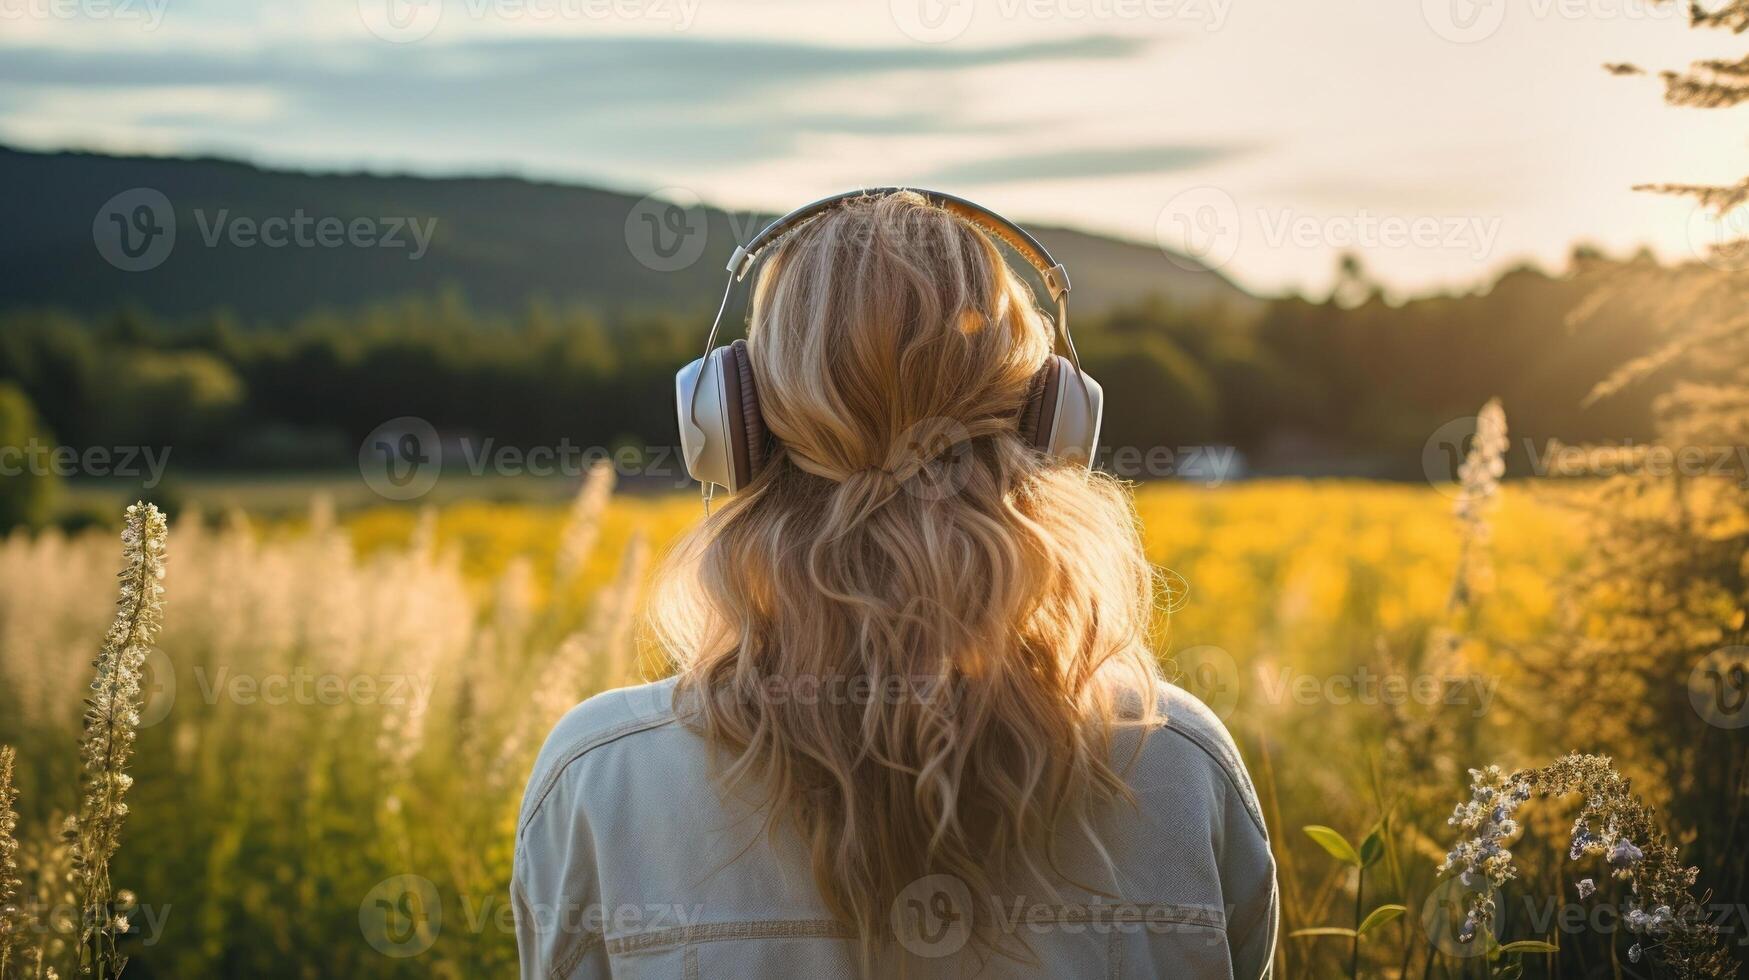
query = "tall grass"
{"x": 339, "y": 712}
{"x": 92, "y": 835}
{"x": 11, "y": 885}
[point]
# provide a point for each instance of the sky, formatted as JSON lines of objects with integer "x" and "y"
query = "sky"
{"x": 1440, "y": 140}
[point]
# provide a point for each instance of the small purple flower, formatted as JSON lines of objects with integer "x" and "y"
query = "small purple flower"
{"x": 1624, "y": 854}
{"x": 1586, "y": 888}
{"x": 1634, "y": 953}
{"x": 1582, "y": 839}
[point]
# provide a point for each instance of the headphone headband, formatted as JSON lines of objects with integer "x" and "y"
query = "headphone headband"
{"x": 722, "y": 430}
{"x": 1056, "y": 278}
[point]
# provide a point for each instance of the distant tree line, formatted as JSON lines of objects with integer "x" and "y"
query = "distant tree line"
{"x": 1312, "y": 386}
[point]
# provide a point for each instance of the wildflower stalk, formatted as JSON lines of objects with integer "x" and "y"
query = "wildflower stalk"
{"x": 1669, "y": 925}
{"x": 111, "y": 720}
{"x": 1479, "y": 489}
{"x": 1354, "y": 947}
{"x": 585, "y": 662}
{"x": 583, "y": 525}
{"x": 11, "y": 886}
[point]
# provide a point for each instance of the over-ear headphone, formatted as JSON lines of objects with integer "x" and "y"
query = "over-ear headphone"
{"x": 723, "y": 436}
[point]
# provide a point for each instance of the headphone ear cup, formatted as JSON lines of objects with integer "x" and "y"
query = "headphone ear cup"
{"x": 723, "y": 438}
{"x": 1036, "y": 417}
{"x": 1063, "y": 412}
{"x": 748, "y": 438}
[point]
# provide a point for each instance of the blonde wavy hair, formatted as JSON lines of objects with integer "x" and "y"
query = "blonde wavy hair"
{"x": 917, "y": 635}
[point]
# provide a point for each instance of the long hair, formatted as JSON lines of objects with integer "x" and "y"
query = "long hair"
{"x": 914, "y": 633}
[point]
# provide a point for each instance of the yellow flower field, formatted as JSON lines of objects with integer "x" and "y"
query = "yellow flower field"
{"x": 341, "y": 710}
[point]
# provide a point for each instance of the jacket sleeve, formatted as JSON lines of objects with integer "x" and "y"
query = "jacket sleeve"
{"x": 1249, "y": 887}
{"x": 555, "y": 893}
{"x": 1251, "y": 931}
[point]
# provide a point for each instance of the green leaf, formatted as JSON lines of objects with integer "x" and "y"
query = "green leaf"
{"x": 1379, "y": 916}
{"x": 1333, "y": 842}
{"x": 1324, "y": 931}
{"x": 1530, "y": 946}
{"x": 1372, "y": 848}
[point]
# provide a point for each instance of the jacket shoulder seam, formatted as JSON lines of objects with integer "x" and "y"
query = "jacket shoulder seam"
{"x": 577, "y": 750}
{"x": 1242, "y": 787}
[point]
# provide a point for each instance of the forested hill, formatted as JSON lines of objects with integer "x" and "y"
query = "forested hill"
{"x": 345, "y": 240}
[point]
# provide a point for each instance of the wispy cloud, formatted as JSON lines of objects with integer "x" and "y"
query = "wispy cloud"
{"x": 1088, "y": 114}
{"x": 641, "y": 68}
{"x": 603, "y": 100}
{"x": 1112, "y": 162}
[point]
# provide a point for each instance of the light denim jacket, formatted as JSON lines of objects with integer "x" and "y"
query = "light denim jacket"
{"x": 630, "y": 862}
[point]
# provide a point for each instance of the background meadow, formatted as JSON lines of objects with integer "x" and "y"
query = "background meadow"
{"x": 298, "y": 831}
{"x": 263, "y": 827}
{"x": 1451, "y": 529}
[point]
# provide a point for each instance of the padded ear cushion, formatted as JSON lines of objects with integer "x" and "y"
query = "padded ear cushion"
{"x": 748, "y": 439}
{"x": 1040, "y": 410}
